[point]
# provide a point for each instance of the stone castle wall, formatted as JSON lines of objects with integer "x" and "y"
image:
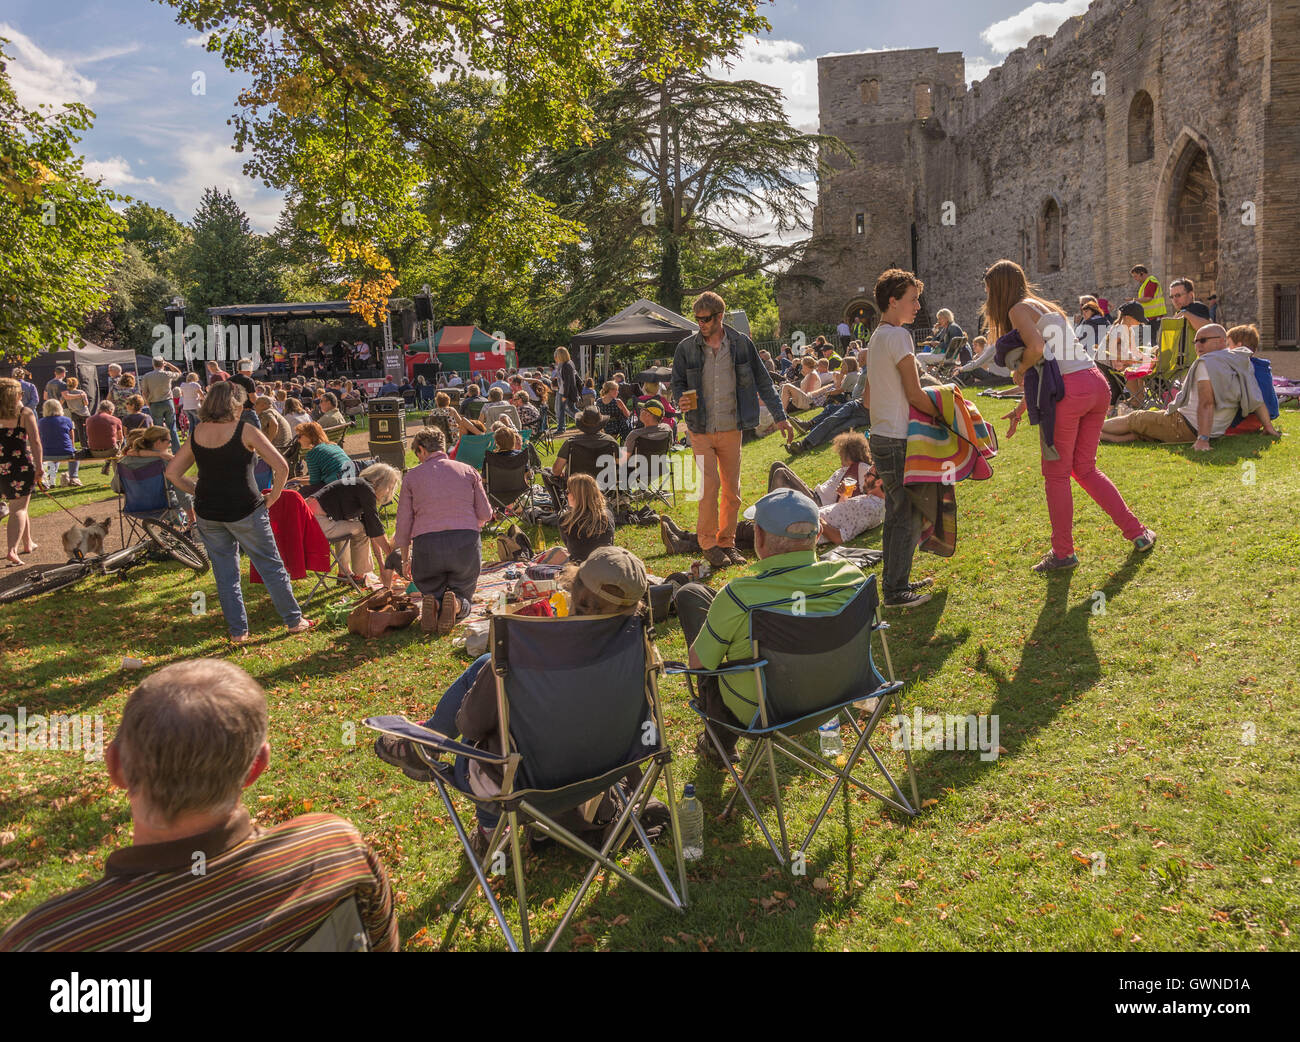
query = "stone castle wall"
{"x": 1034, "y": 162}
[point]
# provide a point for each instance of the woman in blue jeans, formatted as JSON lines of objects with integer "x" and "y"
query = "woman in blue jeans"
{"x": 232, "y": 514}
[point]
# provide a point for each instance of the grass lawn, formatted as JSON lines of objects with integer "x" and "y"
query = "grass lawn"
{"x": 1148, "y": 709}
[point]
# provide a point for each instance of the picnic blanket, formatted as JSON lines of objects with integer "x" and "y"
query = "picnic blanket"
{"x": 942, "y": 450}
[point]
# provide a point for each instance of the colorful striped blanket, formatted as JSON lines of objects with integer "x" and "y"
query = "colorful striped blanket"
{"x": 941, "y": 451}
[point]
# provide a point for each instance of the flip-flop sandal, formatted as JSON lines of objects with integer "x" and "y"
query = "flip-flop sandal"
{"x": 311, "y": 625}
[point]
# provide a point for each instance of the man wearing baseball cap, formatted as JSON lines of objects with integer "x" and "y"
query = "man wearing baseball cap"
{"x": 716, "y": 624}
{"x": 652, "y": 425}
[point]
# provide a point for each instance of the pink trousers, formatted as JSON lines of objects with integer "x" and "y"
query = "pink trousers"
{"x": 1079, "y": 416}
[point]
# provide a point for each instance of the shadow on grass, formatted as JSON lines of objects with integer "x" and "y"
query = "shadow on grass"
{"x": 1058, "y": 664}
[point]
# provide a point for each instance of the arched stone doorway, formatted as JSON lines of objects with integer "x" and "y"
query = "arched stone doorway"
{"x": 1186, "y": 217}
{"x": 861, "y": 308}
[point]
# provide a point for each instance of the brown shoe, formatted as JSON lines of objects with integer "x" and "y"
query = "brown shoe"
{"x": 717, "y": 557}
{"x": 447, "y": 616}
{"x": 673, "y": 543}
{"x": 736, "y": 556}
{"x": 430, "y": 607}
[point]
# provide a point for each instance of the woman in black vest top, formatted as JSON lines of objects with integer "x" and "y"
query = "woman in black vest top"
{"x": 232, "y": 514}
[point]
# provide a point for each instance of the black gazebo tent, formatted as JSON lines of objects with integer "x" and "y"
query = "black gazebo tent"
{"x": 643, "y": 322}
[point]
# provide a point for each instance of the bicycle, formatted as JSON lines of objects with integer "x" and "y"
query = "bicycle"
{"x": 165, "y": 542}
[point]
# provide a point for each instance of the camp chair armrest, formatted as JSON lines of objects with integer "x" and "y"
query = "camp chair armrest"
{"x": 739, "y": 666}
{"x": 401, "y": 727}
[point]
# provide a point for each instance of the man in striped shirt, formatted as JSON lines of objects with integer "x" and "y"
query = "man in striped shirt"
{"x": 201, "y": 875}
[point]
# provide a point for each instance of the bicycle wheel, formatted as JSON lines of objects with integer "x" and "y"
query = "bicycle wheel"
{"x": 47, "y": 581}
{"x": 121, "y": 560}
{"x": 170, "y": 539}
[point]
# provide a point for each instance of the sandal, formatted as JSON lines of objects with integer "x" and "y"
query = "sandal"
{"x": 243, "y": 638}
{"x": 303, "y": 627}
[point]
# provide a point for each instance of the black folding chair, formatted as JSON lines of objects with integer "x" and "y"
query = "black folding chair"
{"x": 508, "y": 481}
{"x": 600, "y": 462}
{"x": 648, "y": 464}
{"x": 808, "y": 666}
{"x": 579, "y": 714}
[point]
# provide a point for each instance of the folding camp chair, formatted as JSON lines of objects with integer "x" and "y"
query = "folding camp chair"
{"x": 807, "y": 667}
{"x": 144, "y": 496}
{"x": 508, "y": 481}
{"x": 337, "y": 433}
{"x": 540, "y": 432}
{"x": 578, "y": 708}
{"x": 650, "y": 459}
{"x": 472, "y": 448}
{"x": 1175, "y": 353}
{"x": 601, "y": 463}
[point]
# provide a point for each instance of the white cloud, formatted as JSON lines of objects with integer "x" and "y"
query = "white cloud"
{"x": 779, "y": 63}
{"x": 41, "y": 78}
{"x": 1038, "y": 19}
{"x": 977, "y": 69}
{"x": 197, "y": 41}
{"x": 209, "y": 161}
{"x": 108, "y": 53}
{"x": 116, "y": 174}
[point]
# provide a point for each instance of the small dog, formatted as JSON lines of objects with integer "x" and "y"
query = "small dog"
{"x": 82, "y": 540}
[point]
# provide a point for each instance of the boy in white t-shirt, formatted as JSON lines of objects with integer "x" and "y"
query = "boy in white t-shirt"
{"x": 893, "y": 384}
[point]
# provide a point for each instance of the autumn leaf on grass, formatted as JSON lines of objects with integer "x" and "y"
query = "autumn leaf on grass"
{"x": 619, "y": 920}
{"x": 929, "y": 803}
{"x": 1081, "y": 857}
{"x": 583, "y": 940}
{"x": 908, "y": 884}
{"x": 820, "y": 884}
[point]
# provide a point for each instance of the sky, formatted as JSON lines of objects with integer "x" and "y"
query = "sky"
{"x": 161, "y": 101}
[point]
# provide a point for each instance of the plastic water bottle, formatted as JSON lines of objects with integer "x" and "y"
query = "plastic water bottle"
{"x": 690, "y": 816}
{"x": 829, "y": 734}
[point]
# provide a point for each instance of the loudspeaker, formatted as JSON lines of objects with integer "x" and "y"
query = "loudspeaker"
{"x": 423, "y": 308}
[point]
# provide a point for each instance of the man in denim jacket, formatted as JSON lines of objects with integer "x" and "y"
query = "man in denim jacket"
{"x": 720, "y": 365}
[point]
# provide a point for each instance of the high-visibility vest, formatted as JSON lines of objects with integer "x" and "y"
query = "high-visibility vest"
{"x": 1155, "y": 307}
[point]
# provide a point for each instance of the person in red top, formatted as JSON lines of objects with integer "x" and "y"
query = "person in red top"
{"x": 104, "y": 431}
{"x": 201, "y": 876}
{"x": 216, "y": 373}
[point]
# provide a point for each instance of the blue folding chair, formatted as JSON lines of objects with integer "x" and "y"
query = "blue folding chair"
{"x": 807, "y": 667}
{"x": 472, "y": 448}
{"x": 579, "y": 715}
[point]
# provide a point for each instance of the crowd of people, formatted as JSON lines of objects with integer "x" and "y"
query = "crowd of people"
{"x": 194, "y": 734}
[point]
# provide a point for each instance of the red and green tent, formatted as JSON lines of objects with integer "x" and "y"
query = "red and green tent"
{"x": 465, "y": 349}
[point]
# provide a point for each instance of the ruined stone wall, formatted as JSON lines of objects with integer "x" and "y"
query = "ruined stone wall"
{"x": 1043, "y": 143}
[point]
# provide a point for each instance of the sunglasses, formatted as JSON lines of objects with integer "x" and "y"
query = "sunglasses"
{"x": 706, "y": 319}
{"x": 1206, "y": 339}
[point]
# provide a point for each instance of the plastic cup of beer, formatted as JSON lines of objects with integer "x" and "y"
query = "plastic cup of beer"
{"x": 689, "y": 400}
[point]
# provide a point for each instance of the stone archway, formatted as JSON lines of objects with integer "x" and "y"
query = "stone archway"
{"x": 1186, "y": 217}
{"x": 864, "y": 308}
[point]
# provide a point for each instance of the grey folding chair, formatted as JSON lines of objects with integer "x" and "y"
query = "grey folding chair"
{"x": 808, "y": 666}
{"x": 579, "y": 714}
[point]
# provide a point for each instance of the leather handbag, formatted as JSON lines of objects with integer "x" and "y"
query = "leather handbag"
{"x": 380, "y": 612}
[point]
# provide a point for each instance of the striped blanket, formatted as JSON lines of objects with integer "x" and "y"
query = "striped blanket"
{"x": 941, "y": 451}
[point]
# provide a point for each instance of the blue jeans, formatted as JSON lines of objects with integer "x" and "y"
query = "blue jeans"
{"x": 444, "y": 722}
{"x": 164, "y": 415}
{"x": 835, "y": 421}
{"x": 223, "y": 540}
{"x": 903, "y": 522}
{"x": 561, "y": 412}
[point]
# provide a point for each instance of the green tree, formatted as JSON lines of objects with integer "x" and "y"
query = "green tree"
{"x": 348, "y": 107}
{"x": 137, "y": 295}
{"x": 225, "y": 263}
{"x": 158, "y": 236}
{"x": 59, "y": 238}
{"x": 687, "y": 163}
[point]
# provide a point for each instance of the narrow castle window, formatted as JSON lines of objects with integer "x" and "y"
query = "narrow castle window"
{"x": 860, "y": 224}
{"x": 1141, "y": 129}
{"x": 1049, "y": 238}
{"x": 870, "y": 90}
{"x": 924, "y": 101}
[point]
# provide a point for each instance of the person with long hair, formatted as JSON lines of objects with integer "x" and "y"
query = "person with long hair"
{"x": 21, "y": 462}
{"x": 587, "y": 524}
{"x": 232, "y": 514}
{"x": 1013, "y": 304}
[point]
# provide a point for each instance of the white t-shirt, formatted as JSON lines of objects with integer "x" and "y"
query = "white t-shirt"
{"x": 1223, "y": 414}
{"x": 190, "y": 395}
{"x": 1060, "y": 344}
{"x": 889, "y": 345}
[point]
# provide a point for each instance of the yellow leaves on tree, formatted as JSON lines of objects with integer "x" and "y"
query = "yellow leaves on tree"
{"x": 374, "y": 282}
{"x": 23, "y": 188}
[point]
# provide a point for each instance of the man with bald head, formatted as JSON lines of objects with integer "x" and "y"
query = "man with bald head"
{"x": 1219, "y": 384}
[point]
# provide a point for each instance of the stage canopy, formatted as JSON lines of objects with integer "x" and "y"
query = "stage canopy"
{"x": 464, "y": 349}
{"x": 309, "y": 309}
